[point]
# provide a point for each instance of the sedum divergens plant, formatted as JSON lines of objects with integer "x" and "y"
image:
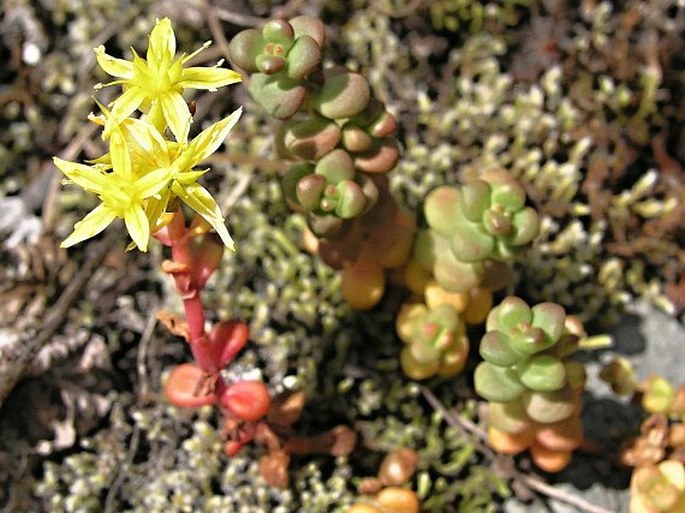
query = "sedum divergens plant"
{"x": 143, "y": 179}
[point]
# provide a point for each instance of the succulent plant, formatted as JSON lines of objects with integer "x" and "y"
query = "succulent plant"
{"x": 472, "y": 226}
{"x": 333, "y": 129}
{"x": 534, "y": 392}
{"x": 330, "y": 187}
{"x": 658, "y": 488}
{"x": 436, "y": 340}
{"x": 279, "y": 57}
{"x": 484, "y": 219}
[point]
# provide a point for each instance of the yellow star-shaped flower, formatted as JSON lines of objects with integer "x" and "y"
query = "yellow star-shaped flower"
{"x": 152, "y": 153}
{"x": 181, "y": 159}
{"x": 156, "y": 83}
{"x": 122, "y": 192}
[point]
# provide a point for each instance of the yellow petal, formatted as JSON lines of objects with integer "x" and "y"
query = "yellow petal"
{"x": 111, "y": 65}
{"x": 118, "y": 151}
{"x": 177, "y": 114}
{"x": 202, "y": 202}
{"x": 155, "y": 117}
{"x": 128, "y": 102}
{"x": 155, "y": 209}
{"x": 152, "y": 182}
{"x": 142, "y": 133}
{"x": 208, "y": 78}
{"x": 97, "y": 220}
{"x": 87, "y": 177}
{"x": 211, "y": 138}
{"x": 162, "y": 46}
{"x": 138, "y": 226}
{"x": 189, "y": 177}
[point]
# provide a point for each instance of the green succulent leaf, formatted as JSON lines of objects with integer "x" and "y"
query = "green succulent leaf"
{"x": 244, "y": 49}
{"x": 279, "y": 32}
{"x": 509, "y": 195}
{"x": 384, "y": 126}
{"x": 270, "y": 64}
{"x": 548, "y": 407}
{"x": 543, "y": 373}
{"x": 351, "y": 201}
{"x": 550, "y": 318}
{"x": 303, "y": 58}
{"x": 309, "y": 190}
{"x": 526, "y": 224}
{"x": 279, "y": 95}
{"x": 497, "y": 223}
{"x": 495, "y": 348}
{"x": 309, "y": 26}
{"x": 312, "y": 138}
{"x": 474, "y": 200}
{"x": 343, "y": 95}
{"x": 510, "y": 417}
{"x": 453, "y": 274}
{"x": 500, "y": 384}
{"x": 336, "y": 166}
{"x": 424, "y": 352}
{"x": 415, "y": 369}
{"x": 509, "y": 314}
{"x": 291, "y": 178}
{"x": 441, "y": 209}
{"x": 425, "y": 244}
{"x": 470, "y": 242}
{"x": 575, "y": 375}
{"x": 529, "y": 341}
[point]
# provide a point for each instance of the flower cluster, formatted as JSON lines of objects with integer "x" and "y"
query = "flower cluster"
{"x": 144, "y": 172}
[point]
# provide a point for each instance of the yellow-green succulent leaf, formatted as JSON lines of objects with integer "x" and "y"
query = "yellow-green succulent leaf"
{"x": 202, "y": 202}
{"x": 97, "y": 220}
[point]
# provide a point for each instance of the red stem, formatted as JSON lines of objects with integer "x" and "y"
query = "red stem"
{"x": 192, "y": 303}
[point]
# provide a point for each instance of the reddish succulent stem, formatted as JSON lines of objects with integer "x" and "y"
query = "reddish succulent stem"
{"x": 192, "y": 303}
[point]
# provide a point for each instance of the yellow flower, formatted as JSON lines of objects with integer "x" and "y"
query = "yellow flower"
{"x": 156, "y": 83}
{"x": 122, "y": 193}
{"x": 151, "y": 152}
{"x": 180, "y": 159}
